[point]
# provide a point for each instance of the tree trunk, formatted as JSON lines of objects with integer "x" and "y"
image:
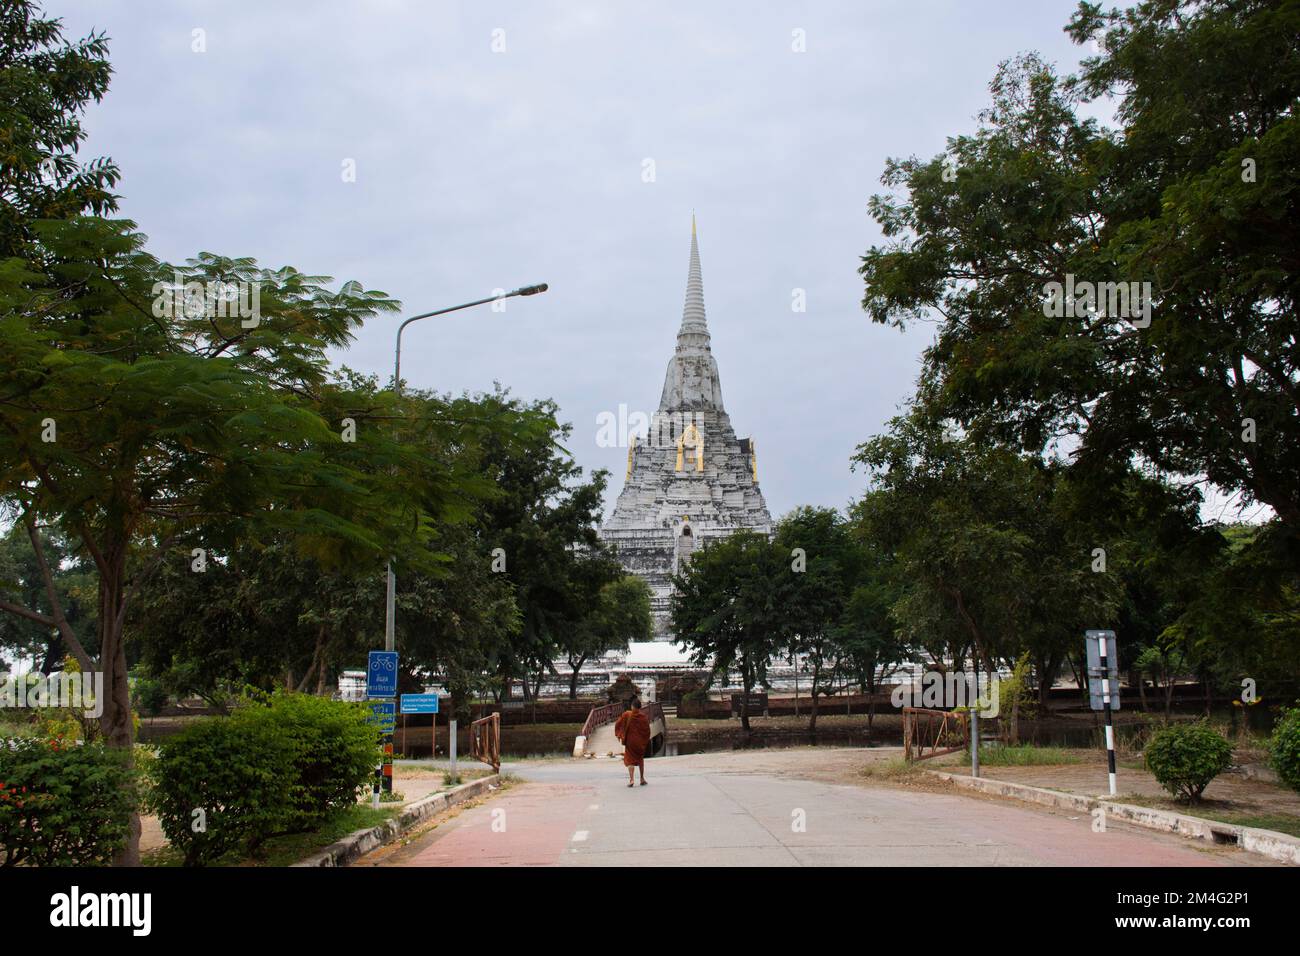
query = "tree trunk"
{"x": 573, "y": 678}
{"x": 1135, "y": 676}
{"x": 115, "y": 722}
{"x": 745, "y": 685}
{"x": 794, "y": 659}
{"x": 812, "y": 721}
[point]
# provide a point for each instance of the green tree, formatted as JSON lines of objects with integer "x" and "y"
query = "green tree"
{"x": 988, "y": 562}
{"x": 822, "y": 574}
{"x": 538, "y": 528}
{"x": 868, "y": 636}
{"x": 46, "y": 83}
{"x": 730, "y": 608}
{"x": 1193, "y": 192}
{"x": 619, "y": 613}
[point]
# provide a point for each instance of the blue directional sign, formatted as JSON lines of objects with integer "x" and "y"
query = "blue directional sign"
{"x": 381, "y": 674}
{"x": 383, "y": 714}
{"x": 419, "y": 703}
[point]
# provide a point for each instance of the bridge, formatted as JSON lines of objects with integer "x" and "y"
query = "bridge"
{"x": 597, "y": 736}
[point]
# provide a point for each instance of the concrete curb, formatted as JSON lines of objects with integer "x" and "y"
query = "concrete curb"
{"x": 1269, "y": 843}
{"x": 355, "y": 844}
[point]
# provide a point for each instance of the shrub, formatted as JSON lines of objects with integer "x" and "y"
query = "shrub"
{"x": 1284, "y": 747}
{"x": 149, "y": 696}
{"x": 63, "y": 804}
{"x": 230, "y": 783}
{"x": 334, "y": 753}
{"x": 1185, "y": 757}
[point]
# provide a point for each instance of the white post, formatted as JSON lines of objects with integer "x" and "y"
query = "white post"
{"x": 451, "y": 746}
{"x": 1105, "y": 706}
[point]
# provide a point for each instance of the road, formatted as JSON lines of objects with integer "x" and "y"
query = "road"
{"x": 770, "y": 808}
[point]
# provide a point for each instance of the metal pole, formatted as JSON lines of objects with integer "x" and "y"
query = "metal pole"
{"x": 390, "y": 598}
{"x": 1105, "y": 706}
{"x": 390, "y": 618}
{"x": 451, "y": 747}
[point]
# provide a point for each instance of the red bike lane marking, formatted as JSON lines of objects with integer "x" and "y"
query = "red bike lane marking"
{"x": 532, "y": 826}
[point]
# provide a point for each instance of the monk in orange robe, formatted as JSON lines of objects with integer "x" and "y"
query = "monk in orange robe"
{"x": 633, "y": 728}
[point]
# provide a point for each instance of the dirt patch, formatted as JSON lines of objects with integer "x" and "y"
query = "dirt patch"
{"x": 1229, "y": 791}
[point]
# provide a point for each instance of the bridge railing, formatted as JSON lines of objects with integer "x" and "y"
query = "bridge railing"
{"x": 932, "y": 733}
{"x": 599, "y": 716}
{"x": 485, "y": 740}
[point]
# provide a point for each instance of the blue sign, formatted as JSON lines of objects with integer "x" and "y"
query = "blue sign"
{"x": 381, "y": 674}
{"x": 419, "y": 703}
{"x": 383, "y": 714}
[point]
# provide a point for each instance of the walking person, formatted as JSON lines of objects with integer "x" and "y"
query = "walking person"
{"x": 633, "y": 728}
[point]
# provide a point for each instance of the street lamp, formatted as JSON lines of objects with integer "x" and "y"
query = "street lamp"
{"x": 390, "y": 620}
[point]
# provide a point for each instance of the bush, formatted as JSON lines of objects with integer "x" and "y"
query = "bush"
{"x": 230, "y": 783}
{"x": 1284, "y": 747}
{"x": 62, "y": 804}
{"x": 335, "y": 751}
{"x": 1185, "y": 757}
{"x": 149, "y": 696}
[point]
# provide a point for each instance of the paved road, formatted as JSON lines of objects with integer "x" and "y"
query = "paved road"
{"x": 744, "y": 809}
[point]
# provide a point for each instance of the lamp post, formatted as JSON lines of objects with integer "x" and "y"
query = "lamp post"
{"x": 390, "y": 621}
{"x": 385, "y": 777}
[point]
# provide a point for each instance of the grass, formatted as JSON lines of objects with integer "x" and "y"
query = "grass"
{"x": 895, "y": 768}
{"x": 289, "y": 849}
{"x": 1025, "y": 755}
{"x": 1213, "y": 810}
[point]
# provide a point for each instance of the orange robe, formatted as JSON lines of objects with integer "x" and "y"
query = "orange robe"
{"x": 633, "y": 728}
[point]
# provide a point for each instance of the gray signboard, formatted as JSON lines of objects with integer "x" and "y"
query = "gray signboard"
{"x": 1094, "y": 669}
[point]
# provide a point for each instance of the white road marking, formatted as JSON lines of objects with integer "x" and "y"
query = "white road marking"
{"x": 579, "y": 836}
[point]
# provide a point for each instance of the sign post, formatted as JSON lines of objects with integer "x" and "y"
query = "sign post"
{"x": 381, "y": 686}
{"x": 1102, "y": 649}
{"x": 425, "y": 704}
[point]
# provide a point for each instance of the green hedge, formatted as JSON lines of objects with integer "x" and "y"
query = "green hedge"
{"x": 1284, "y": 747}
{"x": 230, "y": 783}
{"x": 63, "y": 804}
{"x": 1185, "y": 757}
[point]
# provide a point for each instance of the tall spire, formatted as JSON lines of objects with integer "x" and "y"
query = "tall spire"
{"x": 691, "y": 381}
{"x": 694, "y": 333}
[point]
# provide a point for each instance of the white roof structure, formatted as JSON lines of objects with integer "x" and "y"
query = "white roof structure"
{"x": 656, "y": 654}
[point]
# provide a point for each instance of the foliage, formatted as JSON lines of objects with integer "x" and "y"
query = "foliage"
{"x": 1192, "y": 192}
{"x": 22, "y": 584}
{"x": 1184, "y": 758}
{"x": 1167, "y": 197}
{"x": 1284, "y": 747}
{"x": 61, "y": 804}
{"x": 230, "y": 783}
{"x": 729, "y": 607}
{"x": 149, "y": 695}
{"x": 618, "y": 612}
{"x": 988, "y": 556}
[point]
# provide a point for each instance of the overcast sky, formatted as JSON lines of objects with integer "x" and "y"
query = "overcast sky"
{"x": 479, "y": 168}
